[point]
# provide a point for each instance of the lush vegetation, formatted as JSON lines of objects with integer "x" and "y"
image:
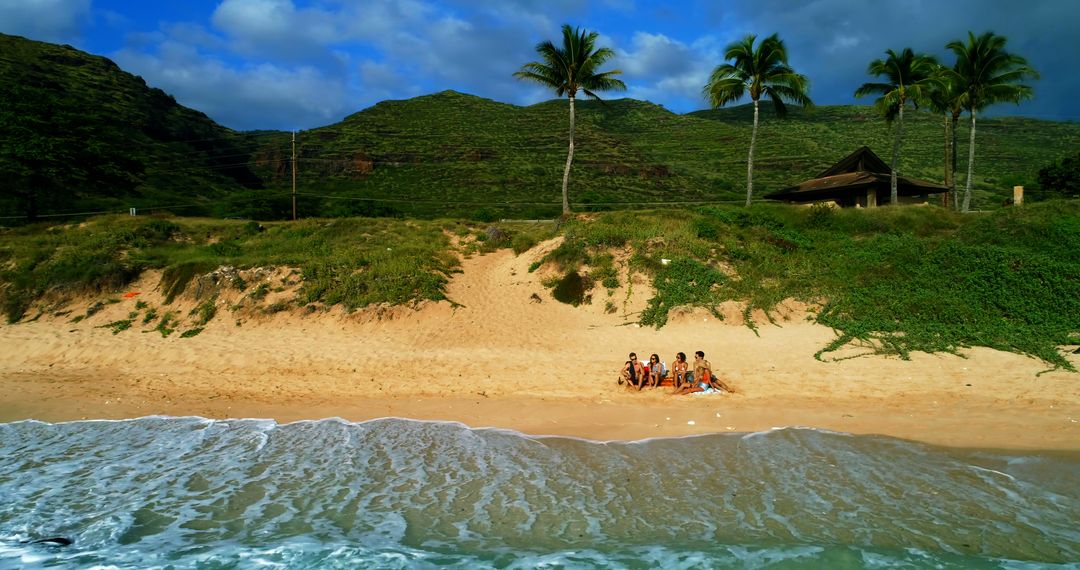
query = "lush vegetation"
{"x": 904, "y": 279}
{"x": 1061, "y": 179}
{"x": 444, "y": 155}
{"x": 351, "y": 262}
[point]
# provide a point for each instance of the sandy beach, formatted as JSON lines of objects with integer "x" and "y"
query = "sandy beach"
{"x": 501, "y": 357}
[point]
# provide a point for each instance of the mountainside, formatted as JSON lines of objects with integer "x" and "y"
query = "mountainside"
{"x": 460, "y": 155}
{"x": 78, "y": 133}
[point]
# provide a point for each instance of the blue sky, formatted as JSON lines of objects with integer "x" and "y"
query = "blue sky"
{"x": 298, "y": 64}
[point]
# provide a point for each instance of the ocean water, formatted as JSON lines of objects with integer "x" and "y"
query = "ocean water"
{"x": 194, "y": 493}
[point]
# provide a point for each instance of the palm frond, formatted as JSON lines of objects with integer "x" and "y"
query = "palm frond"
{"x": 724, "y": 91}
{"x": 988, "y": 74}
{"x": 763, "y": 70}
{"x": 789, "y": 95}
{"x": 573, "y": 66}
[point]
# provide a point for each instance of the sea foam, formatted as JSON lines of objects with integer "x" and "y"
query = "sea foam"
{"x": 184, "y": 492}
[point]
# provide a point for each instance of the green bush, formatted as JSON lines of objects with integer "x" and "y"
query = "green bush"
{"x": 206, "y": 311}
{"x": 175, "y": 278}
{"x": 522, "y": 243}
{"x": 682, "y": 282}
{"x": 572, "y": 289}
{"x": 260, "y": 292}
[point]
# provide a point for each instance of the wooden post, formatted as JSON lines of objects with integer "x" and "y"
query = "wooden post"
{"x": 294, "y": 176}
{"x": 1018, "y": 195}
{"x": 871, "y": 198}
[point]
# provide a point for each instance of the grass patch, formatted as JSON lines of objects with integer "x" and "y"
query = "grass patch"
{"x": 191, "y": 332}
{"x": 117, "y": 326}
{"x": 176, "y": 277}
{"x": 206, "y": 311}
{"x": 278, "y": 307}
{"x": 683, "y": 282}
{"x": 260, "y": 292}
{"x": 100, "y": 256}
{"x": 165, "y": 325}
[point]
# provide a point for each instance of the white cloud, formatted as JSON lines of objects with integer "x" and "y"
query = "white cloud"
{"x": 277, "y": 27}
{"x": 668, "y": 71}
{"x": 44, "y": 20}
{"x": 844, "y": 43}
{"x": 250, "y": 97}
{"x": 656, "y": 54}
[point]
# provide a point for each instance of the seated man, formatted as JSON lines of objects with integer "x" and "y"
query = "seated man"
{"x": 633, "y": 374}
{"x": 702, "y": 378}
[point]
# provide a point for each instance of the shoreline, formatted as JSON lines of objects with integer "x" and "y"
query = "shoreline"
{"x": 499, "y": 358}
{"x": 990, "y": 424}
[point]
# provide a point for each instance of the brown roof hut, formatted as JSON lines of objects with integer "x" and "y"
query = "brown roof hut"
{"x": 861, "y": 179}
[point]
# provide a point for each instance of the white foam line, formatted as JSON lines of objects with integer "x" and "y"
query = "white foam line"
{"x": 455, "y": 423}
{"x": 106, "y": 421}
{"x": 1006, "y": 475}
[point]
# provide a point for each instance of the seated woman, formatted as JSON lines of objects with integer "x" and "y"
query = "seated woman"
{"x": 655, "y": 371}
{"x": 678, "y": 369}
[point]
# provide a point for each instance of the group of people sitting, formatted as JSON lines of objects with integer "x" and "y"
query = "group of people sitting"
{"x": 654, "y": 374}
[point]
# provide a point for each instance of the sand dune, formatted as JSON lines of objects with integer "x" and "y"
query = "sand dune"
{"x": 501, "y": 357}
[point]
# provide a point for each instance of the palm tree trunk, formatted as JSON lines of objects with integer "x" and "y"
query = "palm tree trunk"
{"x": 750, "y": 158}
{"x": 948, "y": 158}
{"x": 569, "y": 159}
{"x": 893, "y": 197}
{"x": 952, "y": 179}
{"x": 971, "y": 165}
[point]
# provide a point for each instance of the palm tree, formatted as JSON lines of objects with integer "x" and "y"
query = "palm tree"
{"x": 573, "y": 67}
{"x": 945, "y": 99}
{"x": 909, "y": 77}
{"x": 987, "y": 74}
{"x": 763, "y": 71}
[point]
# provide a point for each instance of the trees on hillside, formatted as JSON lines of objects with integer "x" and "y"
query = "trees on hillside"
{"x": 986, "y": 74}
{"x": 1061, "y": 179}
{"x": 760, "y": 71}
{"x": 568, "y": 69}
{"x": 945, "y": 99}
{"x": 53, "y": 148}
{"x": 909, "y": 78}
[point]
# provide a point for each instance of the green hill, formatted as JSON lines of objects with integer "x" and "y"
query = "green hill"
{"x": 459, "y": 155}
{"x": 87, "y": 136}
{"x": 77, "y": 133}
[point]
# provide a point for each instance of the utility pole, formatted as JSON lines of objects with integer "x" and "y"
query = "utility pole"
{"x": 294, "y": 176}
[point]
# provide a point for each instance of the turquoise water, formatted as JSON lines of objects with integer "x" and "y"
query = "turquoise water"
{"x": 194, "y": 493}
